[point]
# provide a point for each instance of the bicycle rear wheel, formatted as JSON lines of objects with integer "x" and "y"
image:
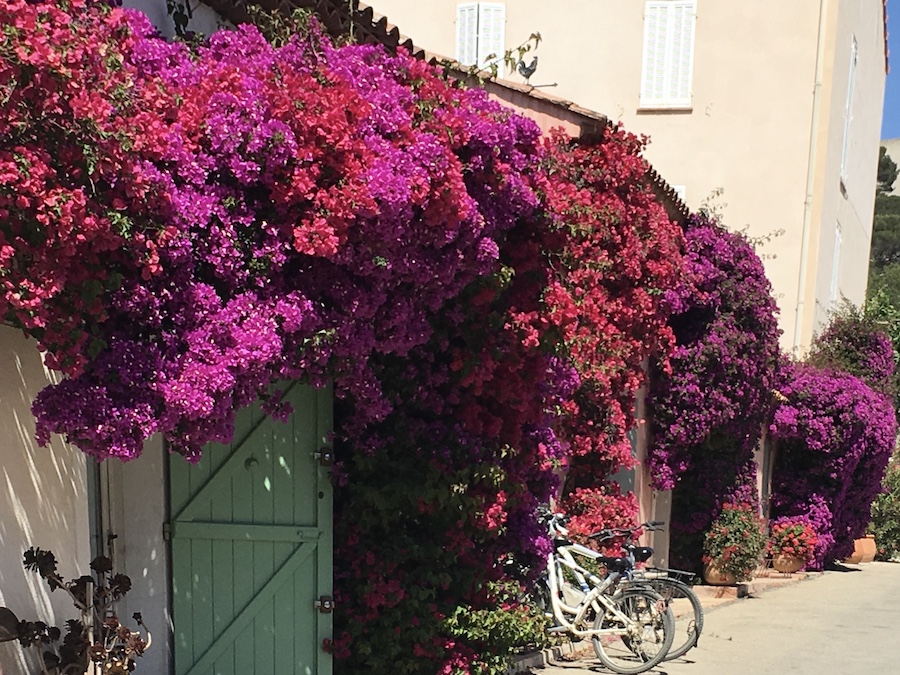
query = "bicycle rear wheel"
{"x": 640, "y": 632}
{"x": 687, "y": 611}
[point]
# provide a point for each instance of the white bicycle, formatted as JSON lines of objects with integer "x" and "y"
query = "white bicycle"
{"x": 631, "y": 629}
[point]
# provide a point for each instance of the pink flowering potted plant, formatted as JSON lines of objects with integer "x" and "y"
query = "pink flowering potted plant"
{"x": 792, "y": 543}
{"x": 734, "y": 545}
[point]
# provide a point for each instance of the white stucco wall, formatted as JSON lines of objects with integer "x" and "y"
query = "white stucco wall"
{"x": 43, "y": 498}
{"x": 133, "y": 496}
{"x": 848, "y": 203}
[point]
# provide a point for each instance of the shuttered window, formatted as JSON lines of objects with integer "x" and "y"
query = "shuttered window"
{"x": 835, "y": 268}
{"x": 848, "y": 108}
{"x": 480, "y": 33}
{"x": 668, "y": 59}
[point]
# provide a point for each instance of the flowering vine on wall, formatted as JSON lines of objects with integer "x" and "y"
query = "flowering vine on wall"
{"x": 182, "y": 228}
{"x": 835, "y": 433}
{"x": 709, "y": 408}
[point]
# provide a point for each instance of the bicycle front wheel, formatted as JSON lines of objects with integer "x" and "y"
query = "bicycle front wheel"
{"x": 637, "y": 632}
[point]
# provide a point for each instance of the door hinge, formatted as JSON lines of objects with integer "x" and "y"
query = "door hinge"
{"x": 325, "y": 456}
{"x": 325, "y": 604}
{"x": 167, "y": 532}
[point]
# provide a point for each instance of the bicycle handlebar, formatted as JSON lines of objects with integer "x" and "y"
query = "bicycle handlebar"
{"x": 652, "y": 526}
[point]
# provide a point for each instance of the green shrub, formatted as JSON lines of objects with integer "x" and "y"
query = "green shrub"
{"x": 886, "y": 514}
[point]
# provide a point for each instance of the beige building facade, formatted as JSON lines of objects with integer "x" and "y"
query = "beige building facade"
{"x": 773, "y": 106}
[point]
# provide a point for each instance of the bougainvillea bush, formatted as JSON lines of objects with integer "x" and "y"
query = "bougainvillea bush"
{"x": 708, "y": 410}
{"x": 182, "y": 228}
{"x": 835, "y": 437}
{"x": 854, "y": 342}
{"x": 835, "y": 434}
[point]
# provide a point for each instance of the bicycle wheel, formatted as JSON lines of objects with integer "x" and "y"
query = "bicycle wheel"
{"x": 640, "y": 633}
{"x": 687, "y": 611}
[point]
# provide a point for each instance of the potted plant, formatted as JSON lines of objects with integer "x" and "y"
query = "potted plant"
{"x": 733, "y": 546}
{"x": 792, "y": 543}
{"x": 96, "y": 643}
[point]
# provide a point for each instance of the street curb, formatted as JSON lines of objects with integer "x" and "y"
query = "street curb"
{"x": 545, "y": 657}
{"x": 755, "y": 588}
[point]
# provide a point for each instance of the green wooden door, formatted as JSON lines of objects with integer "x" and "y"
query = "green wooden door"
{"x": 251, "y": 545}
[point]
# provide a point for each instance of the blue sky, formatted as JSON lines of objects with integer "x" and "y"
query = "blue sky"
{"x": 890, "y": 125}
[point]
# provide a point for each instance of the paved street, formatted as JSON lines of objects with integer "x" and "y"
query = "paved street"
{"x": 840, "y": 622}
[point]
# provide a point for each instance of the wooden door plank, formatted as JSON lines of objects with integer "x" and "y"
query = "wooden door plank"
{"x": 221, "y": 510}
{"x": 306, "y": 644}
{"x": 283, "y": 609}
{"x": 202, "y": 596}
{"x": 243, "y": 594}
{"x": 223, "y": 591}
{"x": 253, "y": 608}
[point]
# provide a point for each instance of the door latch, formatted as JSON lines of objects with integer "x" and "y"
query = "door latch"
{"x": 325, "y": 604}
{"x": 325, "y": 456}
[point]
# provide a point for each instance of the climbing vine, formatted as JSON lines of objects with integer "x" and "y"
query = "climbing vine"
{"x": 709, "y": 409}
{"x": 836, "y": 430}
{"x": 184, "y": 227}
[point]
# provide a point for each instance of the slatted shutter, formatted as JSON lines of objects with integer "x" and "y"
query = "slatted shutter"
{"x": 251, "y": 546}
{"x": 835, "y": 268}
{"x": 653, "y": 74}
{"x": 681, "y": 65}
{"x": 467, "y": 33}
{"x": 848, "y": 108}
{"x": 491, "y": 32}
{"x": 668, "y": 53}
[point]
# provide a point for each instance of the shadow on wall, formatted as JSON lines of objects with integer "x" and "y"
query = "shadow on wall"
{"x": 43, "y": 499}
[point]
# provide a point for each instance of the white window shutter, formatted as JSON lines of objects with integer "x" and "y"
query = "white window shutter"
{"x": 467, "y": 33}
{"x": 682, "y": 16}
{"x": 848, "y": 108}
{"x": 835, "y": 267}
{"x": 668, "y": 57}
{"x": 491, "y": 32}
{"x": 653, "y": 85}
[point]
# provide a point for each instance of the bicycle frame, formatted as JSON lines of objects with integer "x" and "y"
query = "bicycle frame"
{"x": 594, "y": 597}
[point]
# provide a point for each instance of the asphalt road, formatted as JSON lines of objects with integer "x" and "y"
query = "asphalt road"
{"x": 840, "y": 622}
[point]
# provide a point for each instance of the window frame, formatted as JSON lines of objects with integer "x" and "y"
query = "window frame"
{"x": 474, "y": 50}
{"x": 661, "y": 84}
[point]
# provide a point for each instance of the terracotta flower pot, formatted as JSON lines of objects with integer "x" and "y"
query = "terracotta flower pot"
{"x": 715, "y": 576}
{"x": 863, "y": 550}
{"x": 787, "y": 564}
{"x": 868, "y": 547}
